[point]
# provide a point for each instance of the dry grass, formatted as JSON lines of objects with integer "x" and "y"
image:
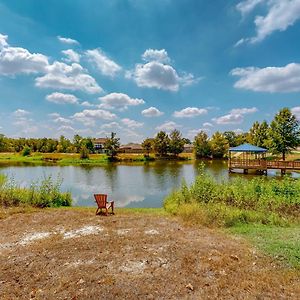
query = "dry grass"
{"x": 73, "y": 254}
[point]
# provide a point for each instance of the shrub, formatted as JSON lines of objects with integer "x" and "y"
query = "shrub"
{"x": 44, "y": 194}
{"x": 236, "y": 201}
{"x": 84, "y": 153}
{"x": 26, "y": 151}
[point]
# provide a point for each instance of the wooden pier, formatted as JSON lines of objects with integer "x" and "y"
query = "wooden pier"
{"x": 262, "y": 165}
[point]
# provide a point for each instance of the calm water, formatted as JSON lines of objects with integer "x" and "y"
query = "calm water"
{"x": 143, "y": 185}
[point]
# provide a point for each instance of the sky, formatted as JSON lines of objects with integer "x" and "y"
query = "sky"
{"x": 136, "y": 67}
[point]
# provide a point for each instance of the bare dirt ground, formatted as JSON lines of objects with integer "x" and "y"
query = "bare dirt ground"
{"x": 73, "y": 254}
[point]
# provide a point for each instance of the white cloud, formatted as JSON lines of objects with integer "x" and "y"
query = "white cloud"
{"x": 111, "y": 125}
{"x": 193, "y": 132}
{"x": 70, "y": 77}
{"x": 71, "y": 56}
{"x": 235, "y": 116}
{"x": 238, "y": 131}
{"x": 16, "y": 60}
{"x": 156, "y": 73}
{"x": 189, "y": 112}
{"x": 296, "y": 112}
{"x": 168, "y": 126}
{"x": 156, "y": 55}
{"x": 3, "y": 41}
{"x": 281, "y": 14}
{"x": 19, "y": 113}
{"x": 244, "y": 111}
{"x": 119, "y": 101}
{"x": 152, "y": 112}
{"x": 65, "y": 128}
{"x": 270, "y": 79}
{"x": 69, "y": 41}
{"x": 89, "y": 116}
{"x": 54, "y": 115}
{"x": 247, "y": 6}
{"x": 87, "y": 104}
{"x": 61, "y": 98}
{"x": 132, "y": 123}
{"x": 62, "y": 120}
{"x": 207, "y": 124}
{"x": 104, "y": 64}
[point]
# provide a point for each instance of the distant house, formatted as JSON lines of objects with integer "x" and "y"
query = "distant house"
{"x": 188, "y": 148}
{"x": 99, "y": 145}
{"x": 131, "y": 148}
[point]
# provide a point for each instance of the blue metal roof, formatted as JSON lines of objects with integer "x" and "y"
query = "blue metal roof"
{"x": 247, "y": 148}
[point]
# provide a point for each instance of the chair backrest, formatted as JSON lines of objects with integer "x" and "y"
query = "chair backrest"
{"x": 101, "y": 200}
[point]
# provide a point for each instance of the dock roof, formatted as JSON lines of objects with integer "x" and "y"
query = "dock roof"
{"x": 247, "y": 148}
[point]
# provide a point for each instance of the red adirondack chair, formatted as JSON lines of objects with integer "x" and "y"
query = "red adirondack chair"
{"x": 101, "y": 200}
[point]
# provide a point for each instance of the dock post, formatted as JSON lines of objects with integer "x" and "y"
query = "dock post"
{"x": 245, "y": 171}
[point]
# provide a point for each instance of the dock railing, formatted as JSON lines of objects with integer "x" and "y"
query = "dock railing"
{"x": 262, "y": 164}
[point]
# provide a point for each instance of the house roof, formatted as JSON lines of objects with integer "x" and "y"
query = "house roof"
{"x": 100, "y": 140}
{"x": 247, "y": 148}
{"x": 132, "y": 146}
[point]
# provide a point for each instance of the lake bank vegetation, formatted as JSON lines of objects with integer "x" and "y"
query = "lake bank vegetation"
{"x": 45, "y": 193}
{"x": 280, "y": 137}
{"x": 238, "y": 201}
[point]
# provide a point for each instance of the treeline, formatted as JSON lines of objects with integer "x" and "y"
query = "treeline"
{"x": 280, "y": 137}
{"x": 46, "y": 145}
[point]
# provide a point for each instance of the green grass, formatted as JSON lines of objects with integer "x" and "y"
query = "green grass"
{"x": 44, "y": 193}
{"x": 237, "y": 201}
{"x": 282, "y": 243}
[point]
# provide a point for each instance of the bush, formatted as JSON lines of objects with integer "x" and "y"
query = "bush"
{"x": 44, "y": 194}
{"x": 236, "y": 201}
{"x": 84, "y": 153}
{"x": 26, "y": 151}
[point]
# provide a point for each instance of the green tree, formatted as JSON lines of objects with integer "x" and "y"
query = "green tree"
{"x": 161, "y": 143}
{"x": 88, "y": 143}
{"x": 3, "y": 143}
{"x": 176, "y": 144}
{"x": 201, "y": 145}
{"x": 77, "y": 142}
{"x": 219, "y": 145}
{"x": 231, "y": 137}
{"x": 26, "y": 151}
{"x": 258, "y": 134}
{"x": 284, "y": 133}
{"x": 147, "y": 146}
{"x": 112, "y": 146}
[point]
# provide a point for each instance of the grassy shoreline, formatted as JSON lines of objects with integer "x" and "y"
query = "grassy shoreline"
{"x": 74, "y": 158}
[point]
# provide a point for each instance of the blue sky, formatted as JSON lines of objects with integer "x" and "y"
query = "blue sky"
{"x": 138, "y": 66}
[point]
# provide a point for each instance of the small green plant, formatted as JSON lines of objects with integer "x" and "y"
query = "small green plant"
{"x": 26, "y": 151}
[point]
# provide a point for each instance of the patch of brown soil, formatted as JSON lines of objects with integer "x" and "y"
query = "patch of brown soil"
{"x": 70, "y": 254}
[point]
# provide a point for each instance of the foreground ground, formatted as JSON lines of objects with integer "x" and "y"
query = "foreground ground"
{"x": 73, "y": 254}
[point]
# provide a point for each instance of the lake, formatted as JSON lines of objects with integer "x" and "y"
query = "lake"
{"x": 131, "y": 185}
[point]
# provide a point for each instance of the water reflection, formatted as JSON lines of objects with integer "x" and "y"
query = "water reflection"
{"x": 143, "y": 185}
